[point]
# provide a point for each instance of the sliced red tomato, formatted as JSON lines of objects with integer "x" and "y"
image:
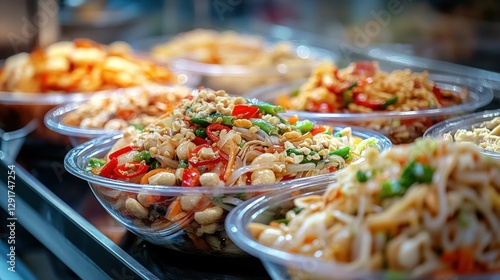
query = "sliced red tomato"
{"x": 245, "y": 111}
{"x": 364, "y": 68}
{"x": 120, "y": 152}
{"x": 190, "y": 177}
{"x": 107, "y": 169}
{"x": 130, "y": 169}
{"x": 323, "y": 107}
{"x": 215, "y": 127}
{"x": 361, "y": 100}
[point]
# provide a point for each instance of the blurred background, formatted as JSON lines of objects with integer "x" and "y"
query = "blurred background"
{"x": 461, "y": 31}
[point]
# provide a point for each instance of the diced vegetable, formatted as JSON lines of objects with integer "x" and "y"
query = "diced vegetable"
{"x": 183, "y": 163}
{"x": 143, "y": 156}
{"x": 266, "y": 126}
{"x": 343, "y": 152}
{"x": 304, "y": 126}
{"x": 215, "y": 127}
{"x": 95, "y": 162}
{"x": 120, "y": 152}
{"x": 200, "y": 132}
{"x": 190, "y": 177}
{"x": 130, "y": 170}
{"x": 245, "y": 111}
{"x": 107, "y": 169}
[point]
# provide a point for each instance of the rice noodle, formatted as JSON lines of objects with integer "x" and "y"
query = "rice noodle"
{"x": 451, "y": 212}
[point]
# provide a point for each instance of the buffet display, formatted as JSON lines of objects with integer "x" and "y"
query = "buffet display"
{"x": 228, "y": 144}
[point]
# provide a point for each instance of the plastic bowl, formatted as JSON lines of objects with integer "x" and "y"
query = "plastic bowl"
{"x": 464, "y": 122}
{"x": 400, "y": 127}
{"x": 54, "y": 119}
{"x": 283, "y": 265}
{"x": 121, "y": 198}
{"x": 239, "y": 79}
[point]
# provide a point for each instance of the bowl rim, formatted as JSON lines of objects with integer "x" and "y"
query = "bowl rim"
{"x": 53, "y": 118}
{"x": 480, "y": 94}
{"x": 80, "y": 154}
{"x": 467, "y": 120}
{"x": 236, "y": 227}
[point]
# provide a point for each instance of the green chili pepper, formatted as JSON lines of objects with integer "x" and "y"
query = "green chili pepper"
{"x": 201, "y": 121}
{"x": 342, "y": 152}
{"x": 143, "y": 156}
{"x": 266, "y": 126}
{"x": 266, "y": 107}
{"x": 212, "y": 118}
{"x": 390, "y": 101}
{"x": 304, "y": 126}
{"x": 183, "y": 163}
{"x": 200, "y": 132}
{"x": 95, "y": 162}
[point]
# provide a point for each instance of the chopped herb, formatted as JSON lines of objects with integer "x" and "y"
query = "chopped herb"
{"x": 392, "y": 188}
{"x": 295, "y": 92}
{"x": 95, "y": 162}
{"x": 143, "y": 156}
{"x": 183, "y": 163}
{"x": 337, "y": 134}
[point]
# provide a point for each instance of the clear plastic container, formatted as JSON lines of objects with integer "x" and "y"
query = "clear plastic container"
{"x": 17, "y": 109}
{"x": 465, "y": 122}
{"x": 239, "y": 79}
{"x": 283, "y": 265}
{"x": 182, "y": 233}
{"x": 400, "y": 127}
{"x": 55, "y": 118}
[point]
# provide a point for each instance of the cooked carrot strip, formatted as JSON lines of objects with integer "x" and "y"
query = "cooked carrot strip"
{"x": 173, "y": 210}
{"x": 145, "y": 178}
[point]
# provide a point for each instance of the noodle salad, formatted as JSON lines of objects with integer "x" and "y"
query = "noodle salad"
{"x": 214, "y": 140}
{"x": 430, "y": 208}
{"x": 363, "y": 88}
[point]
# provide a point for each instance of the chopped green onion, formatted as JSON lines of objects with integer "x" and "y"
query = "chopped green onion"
{"x": 295, "y": 92}
{"x": 183, "y": 163}
{"x": 154, "y": 164}
{"x": 95, "y": 162}
{"x": 143, "y": 156}
{"x": 337, "y": 134}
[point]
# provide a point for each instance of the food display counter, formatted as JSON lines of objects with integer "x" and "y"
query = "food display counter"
{"x": 102, "y": 171}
